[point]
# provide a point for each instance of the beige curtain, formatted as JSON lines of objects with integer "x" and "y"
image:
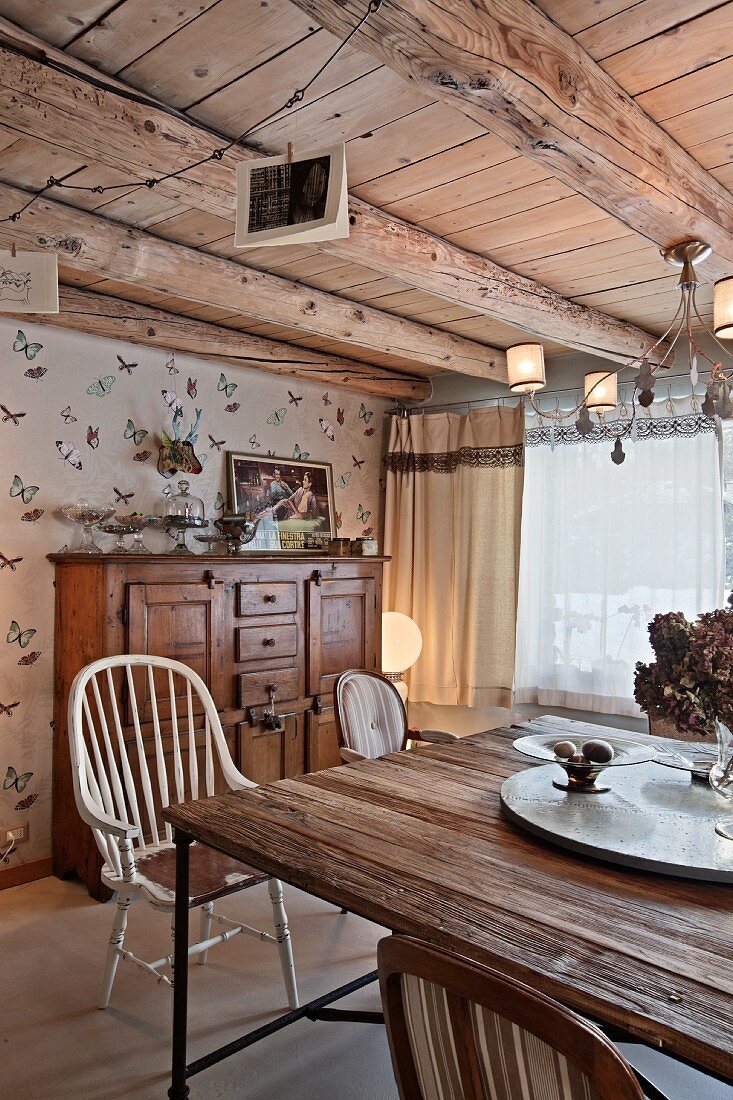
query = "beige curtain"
{"x": 452, "y": 523}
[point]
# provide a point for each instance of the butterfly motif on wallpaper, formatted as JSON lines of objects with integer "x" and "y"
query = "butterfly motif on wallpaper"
{"x": 69, "y": 453}
{"x": 220, "y": 504}
{"x": 32, "y": 517}
{"x": 22, "y": 637}
{"x": 338, "y": 521}
{"x": 101, "y": 386}
{"x": 26, "y": 803}
{"x": 135, "y": 434}
{"x": 170, "y": 397}
{"x": 327, "y": 429}
{"x": 12, "y": 779}
{"x": 7, "y": 415}
{"x": 253, "y": 441}
{"x": 93, "y": 437}
{"x": 340, "y": 417}
{"x": 192, "y": 388}
{"x": 20, "y": 343}
{"x": 357, "y": 462}
{"x": 367, "y": 532}
{"x": 30, "y": 658}
{"x": 364, "y": 413}
{"x": 299, "y": 455}
{"x": 361, "y": 515}
{"x": 25, "y": 492}
{"x": 9, "y": 563}
{"x": 225, "y": 387}
{"x": 67, "y": 415}
{"x": 141, "y": 456}
{"x": 232, "y": 408}
{"x": 120, "y": 497}
{"x": 218, "y": 443}
{"x": 370, "y": 431}
{"x": 326, "y": 399}
{"x": 277, "y": 417}
{"x": 293, "y": 400}
{"x": 8, "y": 708}
{"x": 36, "y": 373}
{"x": 129, "y": 367}
{"x": 343, "y": 480}
{"x": 171, "y": 365}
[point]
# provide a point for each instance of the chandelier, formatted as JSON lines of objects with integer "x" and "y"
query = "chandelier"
{"x": 526, "y": 362}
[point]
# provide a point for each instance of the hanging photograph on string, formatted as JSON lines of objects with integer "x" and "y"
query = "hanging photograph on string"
{"x": 29, "y": 282}
{"x": 282, "y": 200}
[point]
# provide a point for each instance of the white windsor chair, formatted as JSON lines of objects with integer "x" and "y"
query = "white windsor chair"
{"x": 117, "y": 796}
{"x": 371, "y": 719}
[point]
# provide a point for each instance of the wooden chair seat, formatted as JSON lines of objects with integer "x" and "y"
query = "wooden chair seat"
{"x": 212, "y": 875}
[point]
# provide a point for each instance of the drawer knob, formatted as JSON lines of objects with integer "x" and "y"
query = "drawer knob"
{"x": 271, "y": 599}
{"x": 269, "y": 641}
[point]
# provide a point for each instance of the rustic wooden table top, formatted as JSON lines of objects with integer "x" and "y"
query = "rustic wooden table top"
{"x": 416, "y": 841}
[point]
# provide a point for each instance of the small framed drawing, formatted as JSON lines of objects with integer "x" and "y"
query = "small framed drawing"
{"x": 290, "y": 201}
{"x": 292, "y": 500}
{"x": 29, "y": 282}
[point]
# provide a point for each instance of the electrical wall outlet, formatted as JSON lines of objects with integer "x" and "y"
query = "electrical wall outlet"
{"x": 14, "y": 834}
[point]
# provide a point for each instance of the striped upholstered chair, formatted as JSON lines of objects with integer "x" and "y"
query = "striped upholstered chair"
{"x": 371, "y": 719}
{"x": 458, "y": 1031}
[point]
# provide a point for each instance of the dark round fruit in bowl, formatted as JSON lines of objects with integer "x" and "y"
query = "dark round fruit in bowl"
{"x": 600, "y": 752}
{"x": 565, "y": 749}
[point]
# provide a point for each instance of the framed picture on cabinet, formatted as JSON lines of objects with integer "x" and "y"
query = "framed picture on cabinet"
{"x": 292, "y": 500}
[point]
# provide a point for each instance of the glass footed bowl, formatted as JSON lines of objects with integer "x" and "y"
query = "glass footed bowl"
{"x": 87, "y": 516}
{"x": 138, "y": 522}
{"x": 583, "y": 777}
{"x": 119, "y": 529}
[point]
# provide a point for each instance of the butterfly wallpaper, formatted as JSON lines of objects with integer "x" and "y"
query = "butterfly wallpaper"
{"x": 82, "y": 416}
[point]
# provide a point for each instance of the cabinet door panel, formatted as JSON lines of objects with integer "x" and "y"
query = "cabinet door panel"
{"x": 180, "y": 621}
{"x": 342, "y": 618}
{"x": 322, "y": 741}
{"x": 269, "y": 755}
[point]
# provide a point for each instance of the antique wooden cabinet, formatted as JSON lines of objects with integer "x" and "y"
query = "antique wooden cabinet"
{"x": 252, "y": 627}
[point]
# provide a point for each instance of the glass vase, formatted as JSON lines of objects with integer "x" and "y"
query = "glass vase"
{"x": 721, "y": 776}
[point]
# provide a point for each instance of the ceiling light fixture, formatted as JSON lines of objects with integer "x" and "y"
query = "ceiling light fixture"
{"x": 526, "y": 370}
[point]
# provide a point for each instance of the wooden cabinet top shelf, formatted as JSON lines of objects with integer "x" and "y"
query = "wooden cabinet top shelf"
{"x": 252, "y": 557}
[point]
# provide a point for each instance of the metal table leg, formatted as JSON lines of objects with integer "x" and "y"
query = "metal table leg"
{"x": 179, "y": 1090}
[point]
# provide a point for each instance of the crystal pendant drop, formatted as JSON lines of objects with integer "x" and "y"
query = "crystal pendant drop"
{"x": 694, "y": 376}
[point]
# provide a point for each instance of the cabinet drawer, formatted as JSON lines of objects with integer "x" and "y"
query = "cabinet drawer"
{"x": 260, "y": 643}
{"x": 268, "y": 598}
{"x": 253, "y": 687}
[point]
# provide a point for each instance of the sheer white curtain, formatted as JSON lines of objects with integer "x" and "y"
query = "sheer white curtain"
{"x": 606, "y": 547}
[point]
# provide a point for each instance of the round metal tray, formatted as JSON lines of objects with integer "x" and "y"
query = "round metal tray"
{"x": 652, "y": 818}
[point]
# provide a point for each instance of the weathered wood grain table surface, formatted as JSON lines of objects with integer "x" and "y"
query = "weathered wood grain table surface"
{"x": 416, "y": 841}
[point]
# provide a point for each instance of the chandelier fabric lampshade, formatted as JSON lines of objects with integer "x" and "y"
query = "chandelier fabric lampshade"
{"x": 601, "y": 391}
{"x": 723, "y": 309}
{"x": 526, "y": 368}
{"x": 401, "y": 647}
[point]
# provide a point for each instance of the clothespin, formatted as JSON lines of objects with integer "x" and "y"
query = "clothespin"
{"x": 290, "y": 152}
{"x": 12, "y": 250}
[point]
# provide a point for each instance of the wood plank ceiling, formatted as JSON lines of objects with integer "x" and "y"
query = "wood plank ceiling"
{"x": 227, "y": 63}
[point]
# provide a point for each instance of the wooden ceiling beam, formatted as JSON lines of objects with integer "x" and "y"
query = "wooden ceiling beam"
{"x": 509, "y": 67}
{"x": 90, "y": 116}
{"x": 87, "y": 242}
{"x": 118, "y": 319}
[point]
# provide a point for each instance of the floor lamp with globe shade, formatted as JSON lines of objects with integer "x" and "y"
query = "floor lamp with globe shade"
{"x": 401, "y": 647}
